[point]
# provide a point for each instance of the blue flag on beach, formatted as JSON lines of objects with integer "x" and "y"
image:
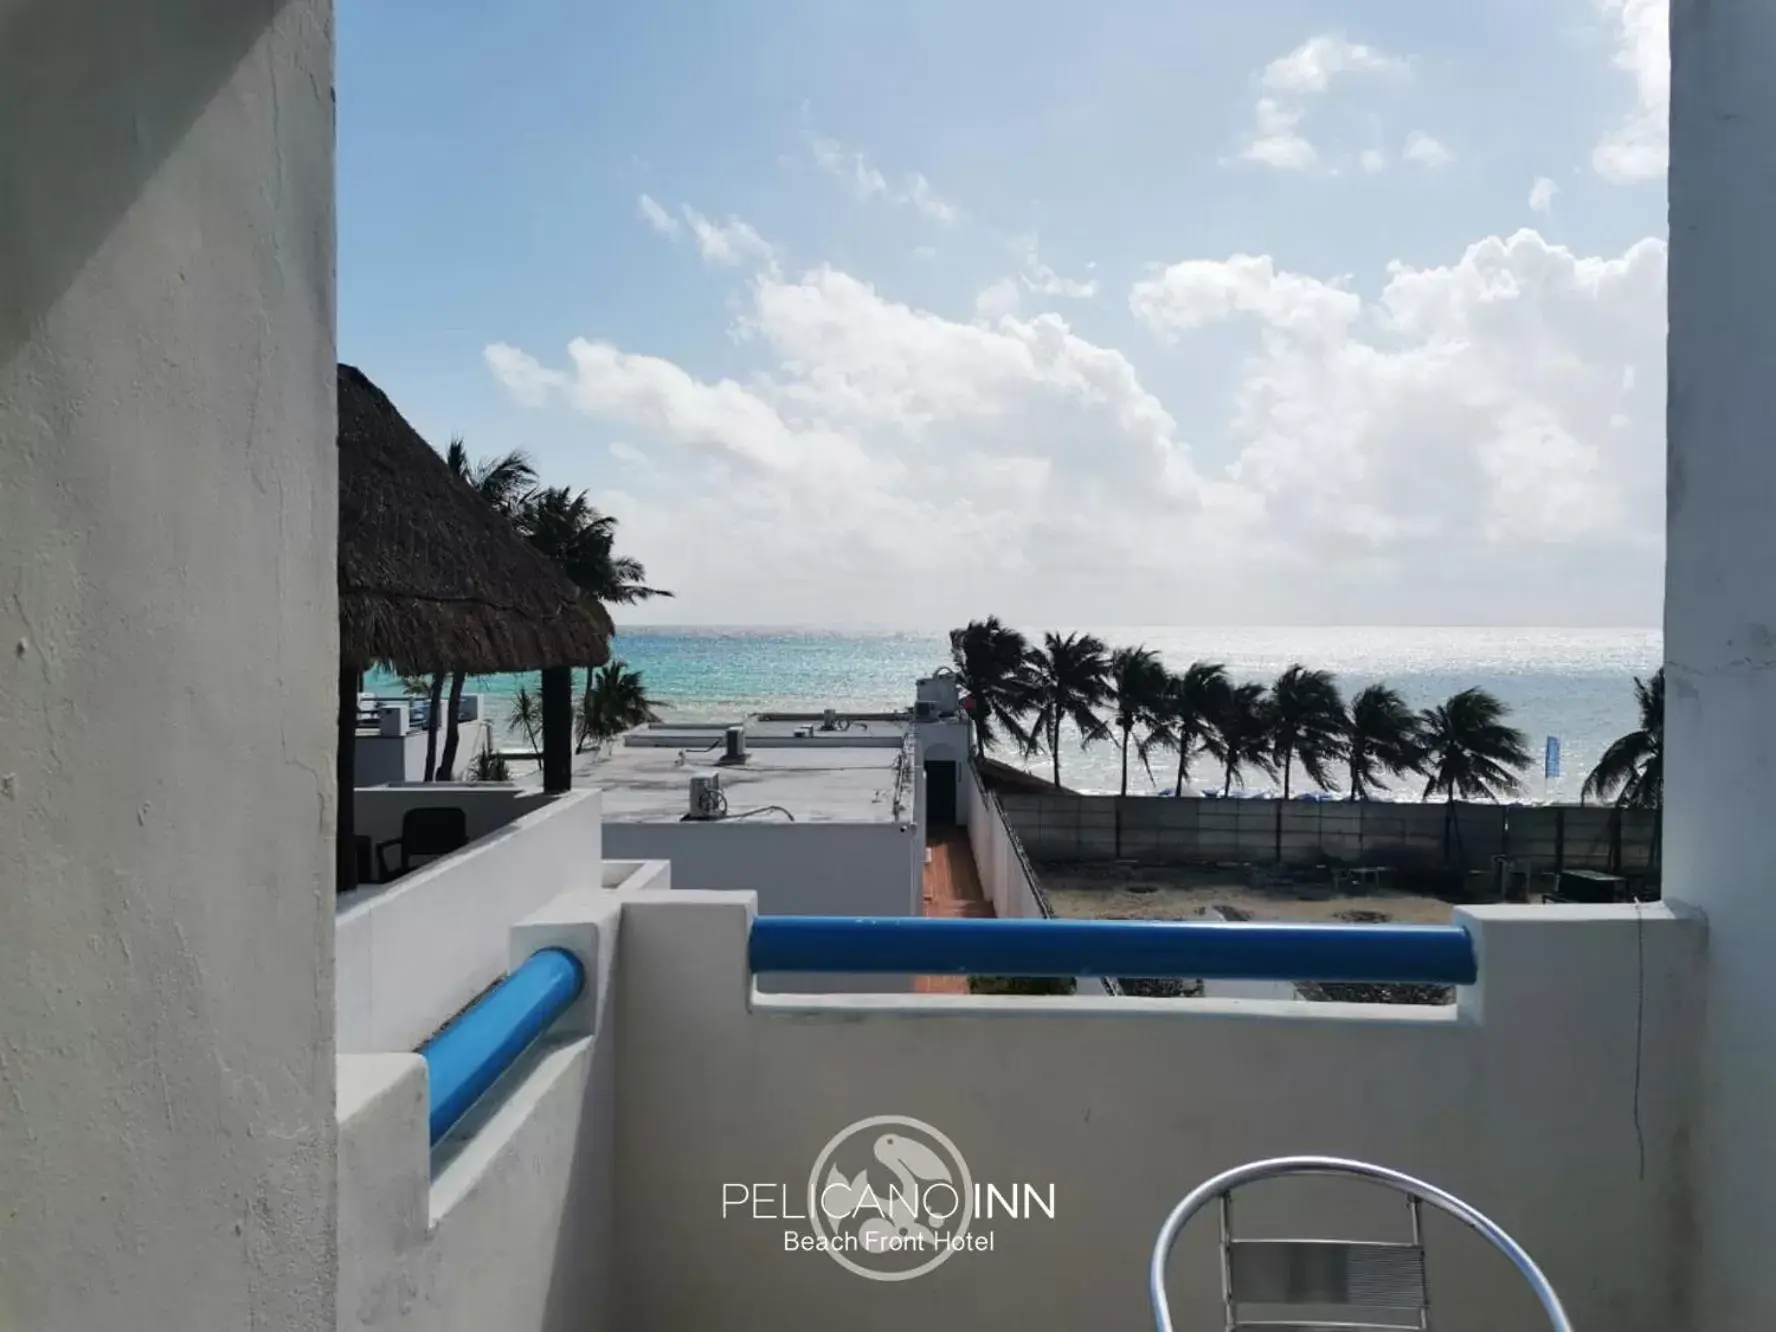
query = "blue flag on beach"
{"x": 1551, "y": 767}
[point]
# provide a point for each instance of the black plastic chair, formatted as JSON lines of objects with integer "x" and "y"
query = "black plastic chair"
{"x": 428, "y": 830}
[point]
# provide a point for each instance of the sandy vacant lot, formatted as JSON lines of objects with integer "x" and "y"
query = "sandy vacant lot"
{"x": 1168, "y": 892}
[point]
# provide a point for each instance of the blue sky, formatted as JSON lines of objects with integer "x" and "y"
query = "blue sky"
{"x": 1131, "y": 311}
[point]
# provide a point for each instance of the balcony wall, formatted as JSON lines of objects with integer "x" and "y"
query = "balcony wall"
{"x": 1521, "y": 1099}
{"x": 587, "y": 1190}
{"x": 411, "y": 954}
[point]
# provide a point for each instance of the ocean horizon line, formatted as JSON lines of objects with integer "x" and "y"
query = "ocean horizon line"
{"x": 812, "y": 627}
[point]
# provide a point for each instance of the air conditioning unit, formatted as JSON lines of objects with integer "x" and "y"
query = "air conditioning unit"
{"x": 707, "y": 801}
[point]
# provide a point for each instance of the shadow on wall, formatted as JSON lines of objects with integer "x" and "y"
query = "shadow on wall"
{"x": 94, "y": 97}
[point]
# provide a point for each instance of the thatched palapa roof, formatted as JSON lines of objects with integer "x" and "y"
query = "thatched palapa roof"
{"x": 430, "y": 577}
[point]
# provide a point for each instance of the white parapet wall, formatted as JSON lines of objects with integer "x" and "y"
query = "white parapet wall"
{"x": 1556, "y": 1096}
{"x": 411, "y": 954}
{"x": 792, "y": 869}
{"x": 508, "y": 1223}
{"x": 486, "y": 806}
{"x": 589, "y": 1188}
{"x": 1005, "y": 873}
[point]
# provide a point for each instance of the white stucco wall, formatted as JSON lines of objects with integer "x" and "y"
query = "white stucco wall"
{"x": 1720, "y": 620}
{"x": 1006, "y": 877}
{"x": 1522, "y": 1101}
{"x": 796, "y": 869}
{"x": 167, "y": 665}
{"x": 508, "y": 1223}
{"x": 415, "y": 952}
{"x": 945, "y": 742}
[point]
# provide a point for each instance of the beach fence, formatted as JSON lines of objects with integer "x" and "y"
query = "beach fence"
{"x": 1195, "y": 831}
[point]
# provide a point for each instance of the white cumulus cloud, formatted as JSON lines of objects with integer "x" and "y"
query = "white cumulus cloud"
{"x": 1541, "y": 195}
{"x": 1422, "y": 150}
{"x": 1639, "y": 147}
{"x": 1290, "y": 81}
{"x": 1198, "y": 292}
{"x": 1043, "y": 280}
{"x": 1312, "y": 66}
{"x": 1481, "y": 438}
{"x": 1275, "y": 141}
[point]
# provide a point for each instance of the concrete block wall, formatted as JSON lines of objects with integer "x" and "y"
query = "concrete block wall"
{"x": 1303, "y": 833}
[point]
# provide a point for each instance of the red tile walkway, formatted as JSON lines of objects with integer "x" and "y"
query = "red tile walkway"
{"x": 952, "y": 888}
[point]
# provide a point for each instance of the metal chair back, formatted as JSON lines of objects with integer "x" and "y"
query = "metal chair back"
{"x": 1379, "y": 1286}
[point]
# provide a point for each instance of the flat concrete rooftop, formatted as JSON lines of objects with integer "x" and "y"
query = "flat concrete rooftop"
{"x": 815, "y": 782}
{"x": 775, "y": 728}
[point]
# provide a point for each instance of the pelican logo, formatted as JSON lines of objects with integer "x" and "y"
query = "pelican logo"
{"x": 890, "y": 1198}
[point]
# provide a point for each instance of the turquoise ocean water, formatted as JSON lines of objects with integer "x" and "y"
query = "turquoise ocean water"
{"x": 1572, "y": 683}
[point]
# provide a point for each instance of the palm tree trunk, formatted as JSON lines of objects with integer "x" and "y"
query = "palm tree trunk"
{"x": 1183, "y": 764}
{"x": 1288, "y": 763}
{"x": 1054, "y": 750}
{"x": 1125, "y": 760}
{"x": 452, "y": 729}
{"x": 1227, "y": 786}
{"x": 432, "y": 726}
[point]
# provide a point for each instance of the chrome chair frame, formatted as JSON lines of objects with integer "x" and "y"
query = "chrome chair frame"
{"x": 1417, "y": 1191}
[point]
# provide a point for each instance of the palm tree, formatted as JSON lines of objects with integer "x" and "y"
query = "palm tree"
{"x": 1068, "y": 682}
{"x": 1195, "y": 698}
{"x": 1381, "y": 736}
{"x": 616, "y": 700}
{"x": 527, "y": 717}
{"x": 1140, "y": 693}
{"x": 566, "y": 528}
{"x": 1243, "y": 733}
{"x": 992, "y": 664}
{"x": 431, "y": 688}
{"x": 1470, "y": 752}
{"x": 504, "y": 483}
{"x": 1632, "y": 769}
{"x": 1307, "y": 724}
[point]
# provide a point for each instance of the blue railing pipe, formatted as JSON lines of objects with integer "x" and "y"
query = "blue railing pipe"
{"x": 469, "y": 1055}
{"x": 1244, "y": 950}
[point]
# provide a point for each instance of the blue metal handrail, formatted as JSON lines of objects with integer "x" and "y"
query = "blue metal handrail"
{"x": 469, "y": 1055}
{"x": 1243, "y": 950}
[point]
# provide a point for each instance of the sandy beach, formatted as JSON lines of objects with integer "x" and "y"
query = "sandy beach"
{"x": 1167, "y": 892}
